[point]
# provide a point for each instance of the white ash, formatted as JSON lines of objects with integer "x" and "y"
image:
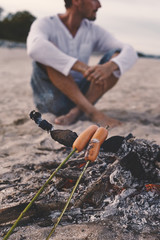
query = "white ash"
{"x": 139, "y": 211}
{"x": 135, "y": 211}
{"x": 124, "y": 194}
{"x": 136, "y": 208}
{"x": 121, "y": 178}
{"x": 146, "y": 154}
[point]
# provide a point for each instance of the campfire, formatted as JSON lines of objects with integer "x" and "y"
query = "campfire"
{"x": 124, "y": 181}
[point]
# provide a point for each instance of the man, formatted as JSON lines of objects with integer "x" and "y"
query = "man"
{"x": 62, "y": 81}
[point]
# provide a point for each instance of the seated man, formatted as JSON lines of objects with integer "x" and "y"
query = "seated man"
{"x": 62, "y": 81}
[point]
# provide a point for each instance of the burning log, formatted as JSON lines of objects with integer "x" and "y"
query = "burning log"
{"x": 153, "y": 188}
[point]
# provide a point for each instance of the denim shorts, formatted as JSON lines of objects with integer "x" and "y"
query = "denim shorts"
{"x": 49, "y": 99}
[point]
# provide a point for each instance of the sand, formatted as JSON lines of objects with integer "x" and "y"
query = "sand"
{"x": 135, "y": 100}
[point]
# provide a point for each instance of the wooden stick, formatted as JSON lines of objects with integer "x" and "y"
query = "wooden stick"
{"x": 36, "y": 196}
{"x": 68, "y": 201}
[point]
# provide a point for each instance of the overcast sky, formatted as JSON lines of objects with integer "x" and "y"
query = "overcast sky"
{"x": 133, "y": 20}
{"x": 141, "y": 8}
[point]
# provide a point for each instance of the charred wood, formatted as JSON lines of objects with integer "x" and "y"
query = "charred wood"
{"x": 96, "y": 187}
{"x": 10, "y": 214}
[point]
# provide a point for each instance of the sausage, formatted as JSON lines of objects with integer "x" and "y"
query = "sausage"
{"x": 95, "y": 144}
{"x": 82, "y": 140}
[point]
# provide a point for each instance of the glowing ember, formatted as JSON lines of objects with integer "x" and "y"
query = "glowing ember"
{"x": 153, "y": 188}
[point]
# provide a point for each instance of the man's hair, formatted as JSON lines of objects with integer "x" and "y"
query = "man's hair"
{"x": 68, "y": 3}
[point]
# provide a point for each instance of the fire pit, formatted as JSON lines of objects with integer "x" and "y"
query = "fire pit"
{"x": 124, "y": 182}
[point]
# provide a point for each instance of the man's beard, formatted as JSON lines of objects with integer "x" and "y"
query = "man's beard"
{"x": 91, "y": 18}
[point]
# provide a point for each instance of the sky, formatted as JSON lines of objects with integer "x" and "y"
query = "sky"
{"x": 136, "y": 22}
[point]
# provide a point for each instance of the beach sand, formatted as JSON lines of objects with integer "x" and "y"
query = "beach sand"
{"x": 135, "y": 100}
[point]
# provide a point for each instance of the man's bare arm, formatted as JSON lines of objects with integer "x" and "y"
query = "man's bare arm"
{"x": 100, "y": 72}
{"x": 80, "y": 67}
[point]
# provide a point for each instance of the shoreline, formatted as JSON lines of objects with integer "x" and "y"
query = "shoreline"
{"x": 11, "y": 44}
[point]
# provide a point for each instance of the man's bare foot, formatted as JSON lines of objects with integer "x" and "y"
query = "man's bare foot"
{"x": 69, "y": 118}
{"x": 103, "y": 120}
{"x": 97, "y": 117}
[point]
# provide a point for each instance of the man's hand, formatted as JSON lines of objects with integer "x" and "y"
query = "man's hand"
{"x": 80, "y": 67}
{"x": 100, "y": 73}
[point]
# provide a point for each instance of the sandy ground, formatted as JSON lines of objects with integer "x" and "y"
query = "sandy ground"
{"x": 135, "y": 100}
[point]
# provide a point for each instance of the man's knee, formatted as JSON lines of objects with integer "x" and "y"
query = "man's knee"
{"x": 107, "y": 56}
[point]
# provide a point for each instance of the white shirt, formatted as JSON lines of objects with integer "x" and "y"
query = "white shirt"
{"x": 50, "y": 43}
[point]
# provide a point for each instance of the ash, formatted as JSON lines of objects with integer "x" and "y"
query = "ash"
{"x": 124, "y": 183}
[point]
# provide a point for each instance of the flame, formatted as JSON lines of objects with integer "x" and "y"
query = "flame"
{"x": 81, "y": 165}
{"x": 70, "y": 180}
{"x": 153, "y": 188}
{"x": 68, "y": 183}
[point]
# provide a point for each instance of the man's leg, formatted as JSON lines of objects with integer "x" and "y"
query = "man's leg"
{"x": 94, "y": 93}
{"x": 68, "y": 86}
{"x": 47, "y": 98}
{"x": 83, "y": 103}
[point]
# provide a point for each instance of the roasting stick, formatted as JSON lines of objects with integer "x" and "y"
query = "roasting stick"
{"x": 68, "y": 201}
{"x": 90, "y": 156}
{"x": 77, "y": 147}
{"x": 36, "y": 196}
{"x": 79, "y": 144}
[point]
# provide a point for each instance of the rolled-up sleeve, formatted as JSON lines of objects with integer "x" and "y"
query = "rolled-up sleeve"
{"x": 127, "y": 56}
{"x": 40, "y": 49}
{"x": 125, "y": 60}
